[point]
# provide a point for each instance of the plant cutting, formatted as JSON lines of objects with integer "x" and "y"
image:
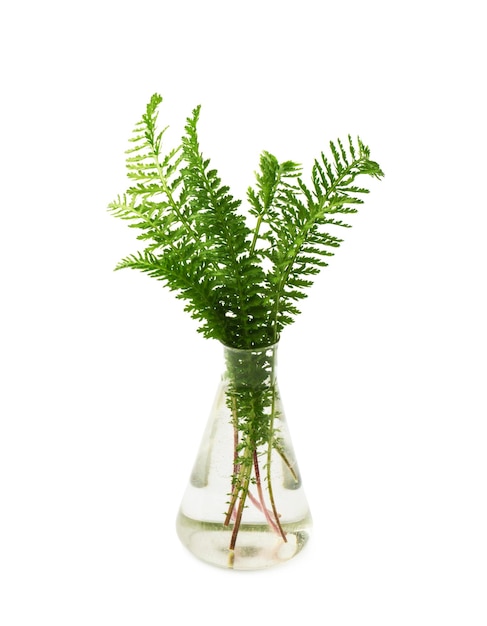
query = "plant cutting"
{"x": 241, "y": 272}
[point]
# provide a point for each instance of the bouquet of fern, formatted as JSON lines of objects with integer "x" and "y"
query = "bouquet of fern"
{"x": 241, "y": 275}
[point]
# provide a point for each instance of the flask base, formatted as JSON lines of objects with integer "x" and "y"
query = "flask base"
{"x": 257, "y": 546}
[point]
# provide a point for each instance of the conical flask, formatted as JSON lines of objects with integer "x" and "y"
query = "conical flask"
{"x": 244, "y": 507}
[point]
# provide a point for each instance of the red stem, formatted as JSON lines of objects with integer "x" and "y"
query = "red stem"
{"x": 276, "y": 525}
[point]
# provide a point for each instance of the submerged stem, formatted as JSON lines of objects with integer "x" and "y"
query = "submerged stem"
{"x": 244, "y": 489}
{"x": 236, "y": 466}
{"x": 286, "y": 461}
{"x": 269, "y": 456}
{"x": 263, "y": 507}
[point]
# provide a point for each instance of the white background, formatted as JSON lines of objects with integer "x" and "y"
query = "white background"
{"x": 105, "y": 386}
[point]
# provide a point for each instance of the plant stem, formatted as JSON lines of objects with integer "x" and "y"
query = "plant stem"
{"x": 269, "y": 451}
{"x": 276, "y": 525}
{"x": 236, "y": 465}
{"x": 256, "y": 235}
{"x": 286, "y": 461}
{"x": 244, "y": 488}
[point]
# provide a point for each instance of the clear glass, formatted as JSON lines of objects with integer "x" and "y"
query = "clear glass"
{"x": 244, "y": 507}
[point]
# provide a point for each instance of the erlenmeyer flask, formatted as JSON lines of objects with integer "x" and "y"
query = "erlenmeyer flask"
{"x": 245, "y": 507}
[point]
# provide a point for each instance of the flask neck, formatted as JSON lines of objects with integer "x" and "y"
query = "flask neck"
{"x": 253, "y": 367}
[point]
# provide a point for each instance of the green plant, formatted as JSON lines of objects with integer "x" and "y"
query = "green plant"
{"x": 241, "y": 275}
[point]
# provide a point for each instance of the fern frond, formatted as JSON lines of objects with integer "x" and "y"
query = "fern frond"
{"x": 225, "y": 235}
{"x": 301, "y": 241}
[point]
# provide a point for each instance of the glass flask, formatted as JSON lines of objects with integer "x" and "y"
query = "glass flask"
{"x": 244, "y": 507}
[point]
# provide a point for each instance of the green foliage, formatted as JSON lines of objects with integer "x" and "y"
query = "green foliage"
{"x": 240, "y": 282}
